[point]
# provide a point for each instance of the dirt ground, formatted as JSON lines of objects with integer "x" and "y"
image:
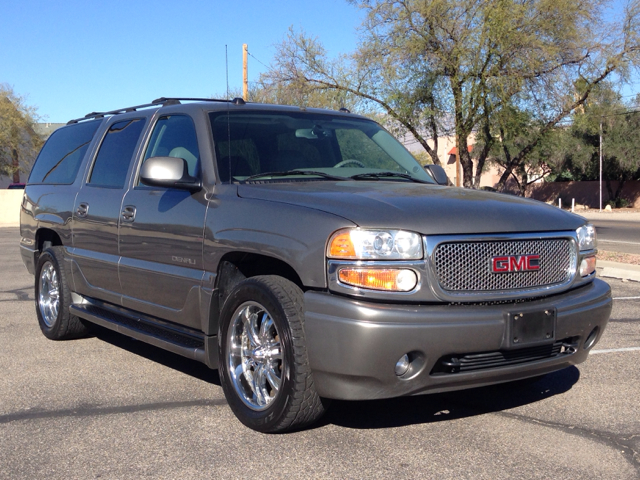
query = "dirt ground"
{"x": 619, "y": 257}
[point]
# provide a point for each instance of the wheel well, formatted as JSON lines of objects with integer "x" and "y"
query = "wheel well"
{"x": 235, "y": 267}
{"x": 46, "y": 238}
{"x": 251, "y": 265}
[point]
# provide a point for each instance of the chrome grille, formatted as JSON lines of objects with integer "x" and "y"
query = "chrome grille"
{"x": 466, "y": 266}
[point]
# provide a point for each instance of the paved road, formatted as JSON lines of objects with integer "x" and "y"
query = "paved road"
{"x": 618, "y": 235}
{"x": 617, "y": 232}
{"x": 110, "y": 407}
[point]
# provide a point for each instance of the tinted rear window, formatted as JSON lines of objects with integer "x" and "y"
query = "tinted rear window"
{"x": 61, "y": 156}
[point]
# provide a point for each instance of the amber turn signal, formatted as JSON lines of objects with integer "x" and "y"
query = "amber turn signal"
{"x": 341, "y": 245}
{"x": 392, "y": 280}
{"x": 587, "y": 266}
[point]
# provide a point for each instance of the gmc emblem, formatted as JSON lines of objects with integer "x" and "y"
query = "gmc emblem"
{"x": 515, "y": 263}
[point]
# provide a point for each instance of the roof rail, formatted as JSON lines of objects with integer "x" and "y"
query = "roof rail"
{"x": 176, "y": 100}
{"x": 164, "y": 101}
{"x": 93, "y": 115}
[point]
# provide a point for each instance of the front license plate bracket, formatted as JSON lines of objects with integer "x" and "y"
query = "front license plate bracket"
{"x": 533, "y": 327}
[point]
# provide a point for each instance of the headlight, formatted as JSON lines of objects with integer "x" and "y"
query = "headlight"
{"x": 587, "y": 237}
{"x": 356, "y": 244}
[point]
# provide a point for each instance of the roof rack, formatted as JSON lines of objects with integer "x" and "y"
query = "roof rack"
{"x": 176, "y": 100}
{"x": 162, "y": 101}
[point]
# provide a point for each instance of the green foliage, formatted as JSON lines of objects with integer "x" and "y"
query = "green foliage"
{"x": 422, "y": 158}
{"x": 433, "y": 67}
{"x": 19, "y": 143}
{"x": 618, "y": 203}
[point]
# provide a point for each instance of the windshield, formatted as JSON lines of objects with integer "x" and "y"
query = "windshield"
{"x": 262, "y": 145}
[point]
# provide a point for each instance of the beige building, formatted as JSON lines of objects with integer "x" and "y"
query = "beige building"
{"x": 447, "y": 152}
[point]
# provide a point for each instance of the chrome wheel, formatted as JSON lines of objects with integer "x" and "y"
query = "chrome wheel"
{"x": 255, "y": 359}
{"x": 49, "y": 294}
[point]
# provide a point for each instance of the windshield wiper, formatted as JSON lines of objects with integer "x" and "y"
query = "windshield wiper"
{"x": 379, "y": 175}
{"x": 289, "y": 173}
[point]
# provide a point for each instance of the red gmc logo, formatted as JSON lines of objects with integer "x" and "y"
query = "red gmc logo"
{"x": 515, "y": 263}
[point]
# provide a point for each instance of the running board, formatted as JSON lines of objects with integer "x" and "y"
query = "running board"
{"x": 190, "y": 344}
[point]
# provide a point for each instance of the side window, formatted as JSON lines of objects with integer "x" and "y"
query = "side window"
{"x": 175, "y": 136}
{"x": 113, "y": 159}
{"x": 60, "y": 158}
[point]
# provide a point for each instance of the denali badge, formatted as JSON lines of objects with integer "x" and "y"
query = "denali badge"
{"x": 515, "y": 263}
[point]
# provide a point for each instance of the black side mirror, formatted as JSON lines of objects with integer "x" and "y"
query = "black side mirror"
{"x": 168, "y": 172}
{"x": 438, "y": 174}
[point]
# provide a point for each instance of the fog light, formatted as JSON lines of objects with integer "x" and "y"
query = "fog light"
{"x": 402, "y": 365}
{"x": 587, "y": 266}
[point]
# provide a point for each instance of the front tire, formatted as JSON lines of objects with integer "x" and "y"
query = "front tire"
{"x": 53, "y": 298}
{"x": 264, "y": 369}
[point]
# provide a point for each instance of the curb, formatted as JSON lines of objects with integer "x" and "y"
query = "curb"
{"x": 622, "y": 271}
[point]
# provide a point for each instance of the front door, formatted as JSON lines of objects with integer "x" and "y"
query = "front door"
{"x": 161, "y": 234}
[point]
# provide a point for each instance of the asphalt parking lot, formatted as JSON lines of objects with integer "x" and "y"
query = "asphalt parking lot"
{"x": 111, "y": 407}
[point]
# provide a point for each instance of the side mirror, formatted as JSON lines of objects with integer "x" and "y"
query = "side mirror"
{"x": 168, "y": 172}
{"x": 438, "y": 174}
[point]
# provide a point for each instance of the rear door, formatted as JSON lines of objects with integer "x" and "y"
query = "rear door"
{"x": 161, "y": 233}
{"x": 97, "y": 211}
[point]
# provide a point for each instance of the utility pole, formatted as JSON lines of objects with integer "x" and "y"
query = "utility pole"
{"x": 245, "y": 74}
{"x": 601, "y": 164}
{"x": 457, "y": 162}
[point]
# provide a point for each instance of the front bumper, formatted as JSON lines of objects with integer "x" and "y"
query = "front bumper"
{"x": 353, "y": 345}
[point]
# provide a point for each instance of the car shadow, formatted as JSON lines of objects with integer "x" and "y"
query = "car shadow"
{"x": 388, "y": 413}
{"x": 438, "y": 407}
{"x": 163, "y": 357}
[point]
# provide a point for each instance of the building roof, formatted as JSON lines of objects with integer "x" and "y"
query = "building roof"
{"x": 454, "y": 150}
{"x": 46, "y": 128}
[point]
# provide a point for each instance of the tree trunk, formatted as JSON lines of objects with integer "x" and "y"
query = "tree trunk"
{"x": 16, "y": 166}
{"x": 465, "y": 161}
{"x": 484, "y": 153}
{"x": 609, "y": 190}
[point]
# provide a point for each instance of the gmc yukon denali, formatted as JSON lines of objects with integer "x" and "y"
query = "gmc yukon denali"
{"x": 304, "y": 254}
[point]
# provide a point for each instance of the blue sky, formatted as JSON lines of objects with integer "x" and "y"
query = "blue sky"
{"x": 71, "y": 57}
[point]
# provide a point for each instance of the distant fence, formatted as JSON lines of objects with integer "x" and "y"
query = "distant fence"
{"x": 584, "y": 193}
{"x": 10, "y": 207}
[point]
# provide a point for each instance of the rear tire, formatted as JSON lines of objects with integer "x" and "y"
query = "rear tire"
{"x": 53, "y": 298}
{"x": 263, "y": 364}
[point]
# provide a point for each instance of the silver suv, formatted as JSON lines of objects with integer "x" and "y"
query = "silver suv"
{"x": 303, "y": 253}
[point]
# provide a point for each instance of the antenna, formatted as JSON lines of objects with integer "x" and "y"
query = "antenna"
{"x": 226, "y": 61}
{"x": 226, "y": 65}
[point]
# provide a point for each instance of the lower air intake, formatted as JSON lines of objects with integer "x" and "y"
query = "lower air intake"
{"x": 451, "y": 364}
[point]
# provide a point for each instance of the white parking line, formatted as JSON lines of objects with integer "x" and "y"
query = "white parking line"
{"x": 614, "y": 350}
{"x": 626, "y": 298}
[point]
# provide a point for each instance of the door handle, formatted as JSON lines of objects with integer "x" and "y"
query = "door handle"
{"x": 83, "y": 210}
{"x": 128, "y": 213}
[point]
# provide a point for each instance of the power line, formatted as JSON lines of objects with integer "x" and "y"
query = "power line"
{"x": 620, "y": 113}
{"x": 256, "y": 59}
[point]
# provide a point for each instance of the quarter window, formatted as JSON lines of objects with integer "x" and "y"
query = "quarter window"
{"x": 112, "y": 162}
{"x": 61, "y": 156}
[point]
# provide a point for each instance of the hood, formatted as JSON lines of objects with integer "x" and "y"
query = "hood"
{"x": 427, "y": 209}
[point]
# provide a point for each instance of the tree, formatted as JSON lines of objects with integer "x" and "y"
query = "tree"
{"x": 604, "y": 114}
{"x": 19, "y": 143}
{"x": 516, "y": 129}
{"x": 438, "y": 66}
